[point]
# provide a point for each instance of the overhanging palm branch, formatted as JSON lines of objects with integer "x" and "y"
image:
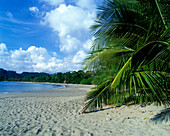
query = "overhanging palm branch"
{"x": 98, "y": 96}
{"x": 141, "y": 30}
{"x": 104, "y": 54}
{"x": 133, "y": 82}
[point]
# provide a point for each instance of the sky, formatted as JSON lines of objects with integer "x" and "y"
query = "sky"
{"x": 45, "y": 35}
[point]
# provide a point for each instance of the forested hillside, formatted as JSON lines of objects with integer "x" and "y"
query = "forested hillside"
{"x": 75, "y": 77}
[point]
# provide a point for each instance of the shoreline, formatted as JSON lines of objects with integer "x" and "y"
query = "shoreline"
{"x": 48, "y": 83}
{"x": 64, "y": 85}
{"x": 58, "y": 113}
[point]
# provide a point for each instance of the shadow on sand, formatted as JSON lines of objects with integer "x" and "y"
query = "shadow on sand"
{"x": 98, "y": 110}
{"x": 164, "y": 116}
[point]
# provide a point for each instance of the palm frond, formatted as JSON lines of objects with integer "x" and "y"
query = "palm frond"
{"x": 137, "y": 34}
{"x": 148, "y": 53}
{"x": 161, "y": 14}
{"x": 126, "y": 67}
{"x": 98, "y": 96}
{"x": 102, "y": 54}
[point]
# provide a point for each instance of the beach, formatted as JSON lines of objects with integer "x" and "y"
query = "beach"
{"x": 57, "y": 112}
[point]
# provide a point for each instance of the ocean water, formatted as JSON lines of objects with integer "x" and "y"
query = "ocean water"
{"x": 16, "y": 87}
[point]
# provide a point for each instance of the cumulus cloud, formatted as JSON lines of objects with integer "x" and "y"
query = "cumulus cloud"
{"x": 3, "y": 49}
{"x": 68, "y": 19}
{"x": 69, "y": 44}
{"x": 88, "y": 44}
{"x": 36, "y": 59}
{"x": 53, "y": 2}
{"x": 72, "y": 24}
{"x": 79, "y": 57}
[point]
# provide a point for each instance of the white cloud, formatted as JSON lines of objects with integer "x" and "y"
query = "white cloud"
{"x": 3, "y": 49}
{"x": 87, "y": 4}
{"x": 34, "y": 9}
{"x": 19, "y": 55}
{"x": 79, "y": 57}
{"x": 69, "y": 44}
{"x": 36, "y": 12}
{"x": 68, "y": 19}
{"x": 35, "y": 59}
{"x": 38, "y": 55}
{"x": 54, "y": 54}
{"x": 72, "y": 24}
{"x": 88, "y": 44}
{"x": 53, "y": 2}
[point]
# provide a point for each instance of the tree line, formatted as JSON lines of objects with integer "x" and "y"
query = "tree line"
{"x": 74, "y": 77}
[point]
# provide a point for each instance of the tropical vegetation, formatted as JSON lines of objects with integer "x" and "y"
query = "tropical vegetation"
{"x": 130, "y": 52}
{"x": 74, "y": 77}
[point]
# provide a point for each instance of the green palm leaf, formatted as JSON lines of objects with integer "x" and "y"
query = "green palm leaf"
{"x": 148, "y": 53}
{"x": 99, "y": 95}
{"x": 116, "y": 81}
{"x": 99, "y": 54}
{"x": 137, "y": 34}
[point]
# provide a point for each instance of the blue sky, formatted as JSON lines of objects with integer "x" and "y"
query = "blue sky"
{"x": 45, "y": 35}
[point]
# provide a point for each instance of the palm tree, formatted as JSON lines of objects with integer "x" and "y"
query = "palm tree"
{"x": 135, "y": 32}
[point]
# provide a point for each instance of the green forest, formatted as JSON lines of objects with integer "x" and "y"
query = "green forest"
{"x": 130, "y": 53}
{"x": 75, "y": 77}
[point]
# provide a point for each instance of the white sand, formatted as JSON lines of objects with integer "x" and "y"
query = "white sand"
{"x": 58, "y": 113}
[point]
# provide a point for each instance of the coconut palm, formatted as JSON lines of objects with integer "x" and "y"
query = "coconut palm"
{"x": 135, "y": 32}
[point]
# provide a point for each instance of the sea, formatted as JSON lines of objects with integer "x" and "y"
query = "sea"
{"x": 18, "y": 87}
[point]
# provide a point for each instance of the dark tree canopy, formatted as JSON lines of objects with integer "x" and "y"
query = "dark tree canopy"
{"x": 75, "y": 77}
